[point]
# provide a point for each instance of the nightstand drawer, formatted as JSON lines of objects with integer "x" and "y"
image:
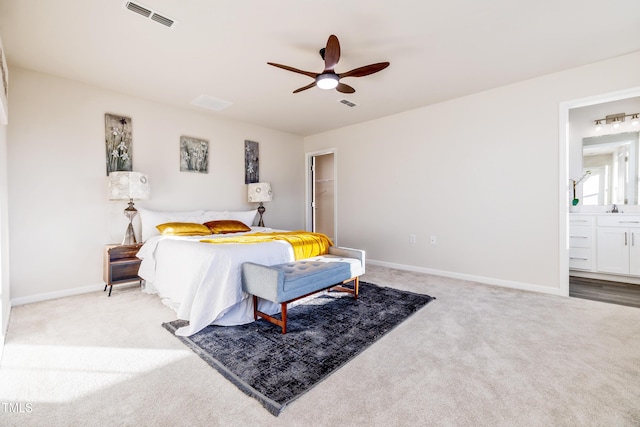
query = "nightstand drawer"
{"x": 120, "y": 252}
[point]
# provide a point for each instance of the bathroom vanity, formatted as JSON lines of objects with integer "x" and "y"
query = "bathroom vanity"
{"x": 605, "y": 246}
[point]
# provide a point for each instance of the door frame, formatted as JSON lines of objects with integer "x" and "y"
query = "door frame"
{"x": 565, "y": 188}
{"x": 308, "y": 211}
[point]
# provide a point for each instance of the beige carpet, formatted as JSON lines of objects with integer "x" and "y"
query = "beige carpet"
{"x": 476, "y": 356}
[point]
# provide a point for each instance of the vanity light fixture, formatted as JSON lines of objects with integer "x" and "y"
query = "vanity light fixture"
{"x": 598, "y": 125}
{"x": 616, "y": 120}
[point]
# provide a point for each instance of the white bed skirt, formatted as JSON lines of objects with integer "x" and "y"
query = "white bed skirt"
{"x": 202, "y": 281}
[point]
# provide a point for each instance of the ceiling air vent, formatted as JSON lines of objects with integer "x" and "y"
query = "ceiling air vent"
{"x": 347, "y": 102}
{"x": 162, "y": 20}
{"x": 138, "y": 9}
{"x": 149, "y": 13}
{"x": 206, "y": 101}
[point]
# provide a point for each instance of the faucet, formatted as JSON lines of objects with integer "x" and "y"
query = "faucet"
{"x": 614, "y": 208}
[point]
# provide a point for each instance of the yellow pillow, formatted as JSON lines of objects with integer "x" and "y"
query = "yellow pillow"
{"x": 226, "y": 226}
{"x": 183, "y": 229}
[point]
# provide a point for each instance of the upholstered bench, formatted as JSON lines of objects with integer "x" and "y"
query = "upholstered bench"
{"x": 288, "y": 282}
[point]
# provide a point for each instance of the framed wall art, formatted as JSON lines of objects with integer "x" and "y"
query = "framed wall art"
{"x": 251, "y": 162}
{"x": 194, "y": 155}
{"x": 4, "y": 90}
{"x": 118, "y": 142}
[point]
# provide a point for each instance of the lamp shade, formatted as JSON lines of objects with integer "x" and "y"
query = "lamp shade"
{"x": 260, "y": 192}
{"x": 128, "y": 186}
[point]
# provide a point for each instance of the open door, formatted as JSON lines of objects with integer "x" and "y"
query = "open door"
{"x": 322, "y": 194}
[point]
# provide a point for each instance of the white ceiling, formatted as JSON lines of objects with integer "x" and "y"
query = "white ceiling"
{"x": 438, "y": 50}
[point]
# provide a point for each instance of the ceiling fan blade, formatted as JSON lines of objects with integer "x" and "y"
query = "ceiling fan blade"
{"x": 331, "y": 53}
{"x": 295, "y": 70}
{"x": 366, "y": 70}
{"x": 309, "y": 86}
{"x": 345, "y": 88}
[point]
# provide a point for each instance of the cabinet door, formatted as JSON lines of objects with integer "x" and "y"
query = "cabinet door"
{"x": 613, "y": 250}
{"x": 634, "y": 252}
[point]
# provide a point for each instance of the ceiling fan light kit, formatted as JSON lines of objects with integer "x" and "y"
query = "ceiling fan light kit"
{"x": 329, "y": 79}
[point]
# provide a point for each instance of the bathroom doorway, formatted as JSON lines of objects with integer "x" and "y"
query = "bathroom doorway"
{"x": 577, "y": 121}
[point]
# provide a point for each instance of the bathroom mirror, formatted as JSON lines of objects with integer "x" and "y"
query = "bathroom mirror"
{"x": 613, "y": 164}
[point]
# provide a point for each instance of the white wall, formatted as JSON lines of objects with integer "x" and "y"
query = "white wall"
{"x": 481, "y": 173}
{"x": 60, "y": 217}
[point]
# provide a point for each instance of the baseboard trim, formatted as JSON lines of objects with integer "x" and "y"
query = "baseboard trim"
{"x": 470, "y": 278}
{"x": 56, "y": 294}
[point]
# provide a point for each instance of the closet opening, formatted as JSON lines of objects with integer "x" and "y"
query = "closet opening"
{"x": 321, "y": 193}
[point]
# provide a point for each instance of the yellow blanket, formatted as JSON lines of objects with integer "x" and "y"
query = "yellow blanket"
{"x": 305, "y": 244}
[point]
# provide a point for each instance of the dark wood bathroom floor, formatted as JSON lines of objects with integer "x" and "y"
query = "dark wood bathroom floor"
{"x": 605, "y": 291}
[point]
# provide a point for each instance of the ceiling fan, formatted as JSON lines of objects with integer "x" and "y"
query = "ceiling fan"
{"x": 329, "y": 79}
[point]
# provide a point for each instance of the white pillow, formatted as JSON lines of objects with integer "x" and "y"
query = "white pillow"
{"x": 247, "y": 217}
{"x": 214, "y": 216}
{"x": 149, "y": 219}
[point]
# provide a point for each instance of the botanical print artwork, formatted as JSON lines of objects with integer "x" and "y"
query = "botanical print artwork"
{"x": 118, "y": 140}
{"x": 251, "y": 162}
{"x": 194, "y": 155}
{"x": 4, "y": 105}
{"x": 3, "y": 69}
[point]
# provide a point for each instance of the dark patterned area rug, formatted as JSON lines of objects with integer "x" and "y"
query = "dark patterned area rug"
{"x": 323, "y": 333}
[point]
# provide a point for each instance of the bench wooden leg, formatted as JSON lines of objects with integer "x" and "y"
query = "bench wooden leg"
{"x": 356, "y": 287}
{"x": 283, "y": 312}
{"x": 282, "y": 322}
{"x": 354, "y": 291}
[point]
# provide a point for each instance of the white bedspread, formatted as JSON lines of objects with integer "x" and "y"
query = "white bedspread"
{"x": 202, "y": 281}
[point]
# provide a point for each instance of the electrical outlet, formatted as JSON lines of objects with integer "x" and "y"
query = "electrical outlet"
{"x": 433, "y": 240}
{"x": 413, "y": 239}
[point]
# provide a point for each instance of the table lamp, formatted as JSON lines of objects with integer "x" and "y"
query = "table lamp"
{"x": 129, "y": 186}
{"x": 260, "y": 192}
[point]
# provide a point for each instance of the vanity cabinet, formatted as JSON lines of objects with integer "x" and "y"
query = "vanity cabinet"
{"x": 605, "y": 244}
{"x": 582, "y": 242}
{"x": 618, "y": 244}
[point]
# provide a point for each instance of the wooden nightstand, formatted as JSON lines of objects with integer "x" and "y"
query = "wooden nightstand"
{"x": 121, "y": 265}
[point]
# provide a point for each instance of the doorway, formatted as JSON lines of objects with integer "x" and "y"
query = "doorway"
{"x": 321, "y": 193}
{"x": 564, "y": 157}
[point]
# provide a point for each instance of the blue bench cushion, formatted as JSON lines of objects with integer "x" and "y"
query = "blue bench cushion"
{"x": 302, "y": 277}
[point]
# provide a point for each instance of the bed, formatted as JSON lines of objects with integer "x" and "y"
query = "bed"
{"x": 202, "y": 281}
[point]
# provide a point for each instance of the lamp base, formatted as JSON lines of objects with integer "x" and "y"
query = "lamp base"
{"x": 261, "y": 210}
{"x": 130, "y": 235}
